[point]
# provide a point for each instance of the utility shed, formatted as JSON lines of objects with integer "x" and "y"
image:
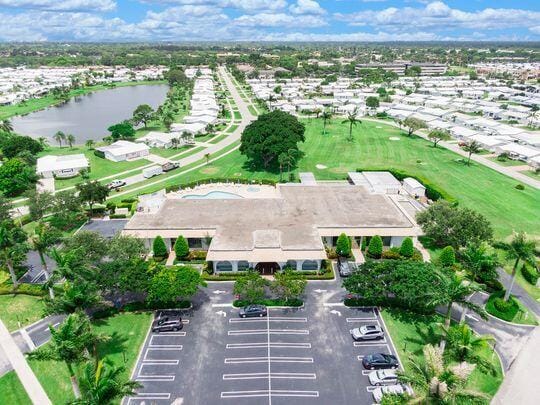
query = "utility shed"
{"x": 376, "y": 182}
{"x": 414, "y": 187}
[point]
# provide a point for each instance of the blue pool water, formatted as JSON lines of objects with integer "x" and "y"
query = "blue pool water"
{"x": 212, "y": 195}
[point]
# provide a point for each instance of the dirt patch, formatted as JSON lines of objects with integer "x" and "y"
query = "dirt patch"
{"x": 209, "y": 170}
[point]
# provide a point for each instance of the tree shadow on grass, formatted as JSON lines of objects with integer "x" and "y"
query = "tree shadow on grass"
{"x": 116, "y": 344}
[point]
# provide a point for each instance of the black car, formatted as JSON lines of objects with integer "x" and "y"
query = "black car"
{"x": 379, "y": 361}
{"x": 343, "y": 267}
{"x": 253, "y": 310}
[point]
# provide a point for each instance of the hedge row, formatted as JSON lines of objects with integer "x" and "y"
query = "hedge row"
{"x": 433, "y": 192}
{"x": 270, "y": 302}
{"x": 140, "y": 306}
{"x": 192, "y": 184}
{"x": 26, "y": 289}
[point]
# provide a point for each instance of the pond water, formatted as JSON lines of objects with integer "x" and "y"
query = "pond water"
{"x": 89, "y": 116}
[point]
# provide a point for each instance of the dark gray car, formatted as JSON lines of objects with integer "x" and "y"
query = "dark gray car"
{"x": 344, "y": 267}
{"x": 253, "y": 310}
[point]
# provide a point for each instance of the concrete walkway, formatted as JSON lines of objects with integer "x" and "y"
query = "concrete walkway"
{"x": 506, "y": 170}
{"x": 27, "y": 377}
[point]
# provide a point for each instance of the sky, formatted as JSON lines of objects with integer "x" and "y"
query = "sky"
{"x": 269, "y": 20}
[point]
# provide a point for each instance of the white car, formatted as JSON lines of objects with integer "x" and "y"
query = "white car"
{"x": 382, "y": 377}
{"x": 397, "y": 389}
{"x": 367, "y": 332}
{"x": 116, "y": 184}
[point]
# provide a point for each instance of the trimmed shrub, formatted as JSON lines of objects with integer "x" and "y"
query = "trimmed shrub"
{"x": 391, "y": 254}
{"x": 117, "y": 216}
{"x": 520, "y": 187}
{"x": 447, "y": 257}
{"x": 181, "y": 247}
{"x": 159, "y": 248}
{"x": 375, "y": 247}
{"x": 407, "y": 248}
{"x": 499, "y": 308}
{"x": 270, "y": 302}
{"x": 530, "y": 274}
{"x": 343, "y": 245}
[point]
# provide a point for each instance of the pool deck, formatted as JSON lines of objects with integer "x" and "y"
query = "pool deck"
{"x": 241, "y": 190}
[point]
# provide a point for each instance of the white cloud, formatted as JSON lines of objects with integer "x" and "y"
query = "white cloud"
{"x": 61, "y": 5}
{"x": 243, "y": 5}
{"x": 281, "y": 20}
{"x": 306, "y": 7}
{"x": 439, "y": 16}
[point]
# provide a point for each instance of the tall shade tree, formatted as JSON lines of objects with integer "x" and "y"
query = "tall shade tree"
{"x": 470, "y": 148}
{"x": 69, "y": 344}
{"x": 13, "y": 248}
{"x": 70, "y": 139}
{"x": 269, "y": 136}
{"x": 59, "y": 137}
{"x": 326, "y": 116}
{"x": 519, "y": 249}
{"x": 93, "y": 192}
{"x": 104, "y": 383}
{"x": 6, "y": 126}
{"x": 143, "y": 114}
{"x": 174, "y": 282}
{"x": 413, "y": 124}
{"x": 438, "y": 135}
{"x": 288, "y": 285}
{"x": 90, "y": 144}
{"x": 250, "y": 287}
{"x": 123, "y": 130}
{"x": 353, "y": 121}
{"x": 43, "y": 238}
{"x": 434, "y": 382}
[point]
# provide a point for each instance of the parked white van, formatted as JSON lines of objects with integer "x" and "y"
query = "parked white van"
{"x": 152, "y": 171}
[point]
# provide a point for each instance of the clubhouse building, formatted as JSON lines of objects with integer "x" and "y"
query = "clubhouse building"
{"x": 268, "y": 228}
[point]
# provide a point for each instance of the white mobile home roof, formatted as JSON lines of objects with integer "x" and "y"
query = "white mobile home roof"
{"x": 120, "y": 148}
{"x": 520, "y": 150}
{"x": 51, "y": 163}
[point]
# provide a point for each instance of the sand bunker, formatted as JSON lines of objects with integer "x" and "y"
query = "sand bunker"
{"x": 394, "y": 138}
{"x": 321, "y": 167}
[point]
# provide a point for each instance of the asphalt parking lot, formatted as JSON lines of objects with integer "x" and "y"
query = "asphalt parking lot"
{"x": 294, "y": 356}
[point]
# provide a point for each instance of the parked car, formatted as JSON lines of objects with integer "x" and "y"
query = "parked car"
{"x": 343, "y": 267}
{"x": 397, "y": 389}
{"x": 167, "y": 167}
{"x": 167, "y": 324}
{"x": 152, "y": 171}
{"x": 367, "y": 332}
{"x": 382, "y": 377}
{"x": 253, "y": 310}
{"x": 116, "y": 184}
{"x": 379, "y": 361}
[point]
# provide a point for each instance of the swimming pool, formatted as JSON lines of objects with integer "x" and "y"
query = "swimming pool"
{"x": 212, "y": 195}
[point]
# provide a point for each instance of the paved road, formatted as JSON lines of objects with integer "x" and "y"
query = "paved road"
{"x": 477, "y": 158}
{"x": 519, "y": 292}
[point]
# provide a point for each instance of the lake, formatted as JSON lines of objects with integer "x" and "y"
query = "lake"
{"x": 89, "y": 116}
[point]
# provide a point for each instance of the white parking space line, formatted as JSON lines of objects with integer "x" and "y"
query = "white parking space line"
{"x": 360, "y": 357}
{"x": 238, "y": 332}
{"x": 367, "y": 343}
{"x": 277, "y": 345}
{"x": 333, "y": 304}
{"x": 264, "y": 359}
{"x": 374, "y": 345}
{"x": 149, "y": 395}
{"x": 272, "y": 393}
{"x": 271, "y": 319}
{"x": 254, "y": 376}
{"x": 350, "y": 320}
{"x": 159, "y": 378}
{"x": 161, "y": 362}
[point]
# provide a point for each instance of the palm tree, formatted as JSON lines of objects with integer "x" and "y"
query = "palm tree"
{"x": 43, "y": 238}
{"x": 103, "y": 383}
{"x": 353, "y": 121}
{"x": 6, "y": 126}
{"x": 69, "y": 343}
{"x": 326, "y": 116}
{"x": 175, "y": 142}
{"x": 472, "y": 147}
{"x": 43, "y": 142}
{"x": 477, "y": 261}
{"x": 89, "y": 144}
{"x": 466, "y": 345}
{"x": 436, "y": 383}
{"x": 283, "y": 159}
{"x": 13, "y": 249}
{"x": 292, "y": 154}
{"x": 59, "y": 137}
{"x": 207, "y": 157}
{"x": 456, "y": 290}
{"x": 519, "y": 249}
{"x": 70, "y": 139}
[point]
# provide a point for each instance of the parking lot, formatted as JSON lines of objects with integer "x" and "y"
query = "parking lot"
{"x": 292, "y": 356}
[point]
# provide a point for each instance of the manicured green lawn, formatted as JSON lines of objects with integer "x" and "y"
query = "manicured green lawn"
{"x": 530, "y": 173}
{"x": 218, "y": 139}
{"x": 508, "y": 162}
{"x": 25, "y": 309}
{"x": 128, "y": 331}
{"x": 168, "y": 152}
{"x": 232, "y": 129}
{"x": 410, "y": 332}
{"x": 12, "y": 391}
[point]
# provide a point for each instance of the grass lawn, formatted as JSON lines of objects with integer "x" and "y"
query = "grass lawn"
{"x": 218, "y": 138}
{"x": 168, "y": 152}
{"x": 99, "y": 167}
{"x": 508, "y": 162}
{"x": 237, "y": 115}
{"x": 530, "y": 173}
{"x": 25, "y": 309}
{"x": 410, "y": 332}
{"x": 12, "y": 391}
{"x": 232, "y": 129}
{"x": 127, "y": 332}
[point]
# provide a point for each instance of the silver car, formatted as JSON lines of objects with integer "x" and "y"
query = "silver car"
{"x": 396, "y": 389}
{"x": 367, "y": 332}
{"x": 383, "y": 377}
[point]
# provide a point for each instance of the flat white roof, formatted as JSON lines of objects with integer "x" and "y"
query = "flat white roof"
{"x": 64, "y": 162}
{"x": 120, "y": 148}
